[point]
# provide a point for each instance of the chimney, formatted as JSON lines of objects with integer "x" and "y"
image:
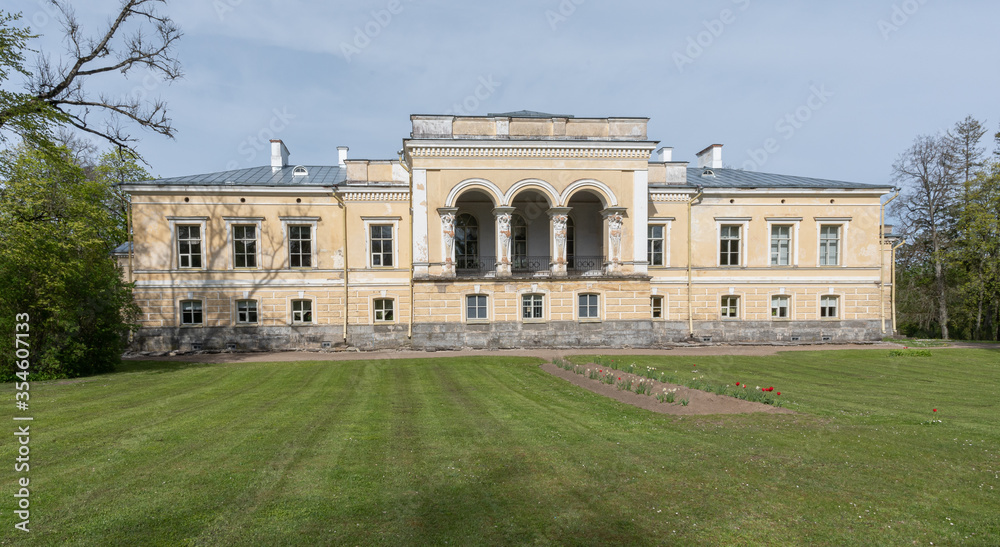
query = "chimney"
{"x": 342, "y": 155}
{"x": 711, "y": 157}
{"x": 665, "y": 154}
{"x": 279, "y": 155}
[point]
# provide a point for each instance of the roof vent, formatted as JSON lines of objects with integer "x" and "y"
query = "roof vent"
{"x": 342, "y": 155}
{"x": 279, "y": 155}
{"x": 300, "y": 171}
{"x": 711, "y": 157}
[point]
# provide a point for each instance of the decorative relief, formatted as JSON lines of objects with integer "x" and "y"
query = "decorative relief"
{"x": 376, "y": 196}
{"x": 448, "y": 231}
{"x": 615, "y": 229}
{"x": 559, "y": 227}
{"x": 668, "y": 197}
{"x": 503, "y": 228}
{"x": 468, "y": 152}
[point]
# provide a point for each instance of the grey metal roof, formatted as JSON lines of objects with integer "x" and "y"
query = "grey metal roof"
{"x": 122, "y": 249}
{"x": 736, "y": 178}
{"x": 318, "y": 175}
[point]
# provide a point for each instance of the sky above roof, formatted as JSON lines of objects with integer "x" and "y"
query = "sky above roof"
{"x": 833, "y": 90}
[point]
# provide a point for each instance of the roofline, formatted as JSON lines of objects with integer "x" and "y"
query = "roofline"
{"x": 554, "y": 117}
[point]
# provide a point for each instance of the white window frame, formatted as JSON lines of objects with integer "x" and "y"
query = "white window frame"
{"x": 599, "y": 310}
{"x": 791, "y": 309}
{"x": 520, "y": 307}
{"x": 313, "y": 223}
{"x": 202, "y": 223}
{"x": 292, "y": 311}
{"x": 793, "y": 247}
{"x": 663, "y": 307}
{"x": 236, "y": 310}
{"x": 839, "y": 303}
{"x": 739, "y": 307}
{"x": 465, "y": 308}
{"x": 392, "y": 309}
{"x": 231, "y": 224}
{"x": 396, "y": 241}
{"x": 744, "y": 224}
{"x": 201, "y": 310}
{"x": 845, "y": 224}
{"x": 666, "y": 243}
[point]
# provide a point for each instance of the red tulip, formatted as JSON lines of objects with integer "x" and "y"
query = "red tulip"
{"x": 935, "y": 410}
{"x": 737, "y": 384}
{"x": 779, "y": 393}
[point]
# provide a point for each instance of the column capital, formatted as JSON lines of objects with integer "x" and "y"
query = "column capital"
{"x": 623, "y": 211}
{"x": 497, "y": 211}
{"x": 554, "y": 211}
{"x": 447, "y": 210}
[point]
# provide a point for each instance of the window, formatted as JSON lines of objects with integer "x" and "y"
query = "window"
{"x": 191, "y": 312}
{"x": 730, "y": 307}
{"x": 383, "y": 310}
{"x": 519, "y": 239}
{"x": 300, "y": 246}
{"x": 729, "y": 246}
{"x": 781, "y": 245}
{"x": 475, "y": 307}
{"x": 828, "y": 306}
{"x": 245, "y": 246}
{"x": 589, "y": 308}
{"x": 189, "y": 246}
{"x": 656, "y": 302}
{"x": 381, "y": 245}
{"x": 466, "y": 242}
{"x": 654, "y": 245}
{"x": 532, "y": 306}
{"x": 246, "y": 311}
{"x": 829, "y": 245}
{"x": 302, "y": 311}
{"x": 779, "y": 307}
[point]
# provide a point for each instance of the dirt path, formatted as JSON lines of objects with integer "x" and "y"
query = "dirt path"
{"x": 547, "y": 354}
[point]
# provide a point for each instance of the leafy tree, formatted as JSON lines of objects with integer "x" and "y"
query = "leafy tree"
{"x": 979, "y": 249}
{"x": 926, "y": 208}
{"x": 56, "y": 237}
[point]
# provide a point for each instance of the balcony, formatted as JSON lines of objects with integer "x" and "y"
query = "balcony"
{"x": 528, "y": 266}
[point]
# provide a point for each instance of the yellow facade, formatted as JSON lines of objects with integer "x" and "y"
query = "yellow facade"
{"x": 509, "y": 230}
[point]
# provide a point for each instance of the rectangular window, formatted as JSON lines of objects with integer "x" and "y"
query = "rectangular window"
{"x": 302, "y": 311}
{"x": 475, "y": 307}
{"x": 189, "y": 246}
{"x": 191, "y": 312}
{"x": 300, "y": 246}
{"x": 829, "y": 245}
{"x": 381, "y": 245}
{"x": 730, "y": 307}
{"x": 781, "y": 245}
{"x": 656, "y": 303}
{"x": 729, "y": 246}
{"x": 531, "y": 306}
{"x": 245, "y": 246}
{"x": 246, "y": 311}
{"x": 383, "y": 310}
{"x": 828, "y": 306}
{"x": 654, "y": 245}
{"x": 589, "y": 308}
{"x": 779, "y": 307}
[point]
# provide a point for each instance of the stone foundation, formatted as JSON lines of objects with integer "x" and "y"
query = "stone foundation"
{"x": 506, "y": 335}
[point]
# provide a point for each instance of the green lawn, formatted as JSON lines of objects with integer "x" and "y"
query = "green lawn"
{"x": 495, "y": 451}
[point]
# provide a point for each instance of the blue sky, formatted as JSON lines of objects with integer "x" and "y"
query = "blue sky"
{"x": 824, "y": 89}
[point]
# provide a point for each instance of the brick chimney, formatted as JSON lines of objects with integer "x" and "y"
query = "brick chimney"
{"x": 279, "y": 155}
{"x": 711, "y": 157}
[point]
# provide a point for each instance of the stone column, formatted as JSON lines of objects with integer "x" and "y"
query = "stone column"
{"x": 558, "y": 217}
{"x": 448, "y": 240}
{"x": 614, "y": 218}
{"x": 504, "y": 238}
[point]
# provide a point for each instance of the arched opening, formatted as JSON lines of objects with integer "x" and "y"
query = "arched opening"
{"x": 588, "y": 253}
{"x": 531, "y": 251}
{"x": 475, "y": 233}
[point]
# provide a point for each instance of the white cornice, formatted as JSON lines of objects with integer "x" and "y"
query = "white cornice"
{"x": 151, "y": 189}
{"x": 634, "y": 150}
{"x": 350, "y": 195}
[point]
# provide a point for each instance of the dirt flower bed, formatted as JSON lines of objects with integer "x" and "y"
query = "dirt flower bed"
{"x": 698, "y": 402}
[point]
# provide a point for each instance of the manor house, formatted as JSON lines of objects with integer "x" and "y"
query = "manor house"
{"x": 519, "y": 229}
